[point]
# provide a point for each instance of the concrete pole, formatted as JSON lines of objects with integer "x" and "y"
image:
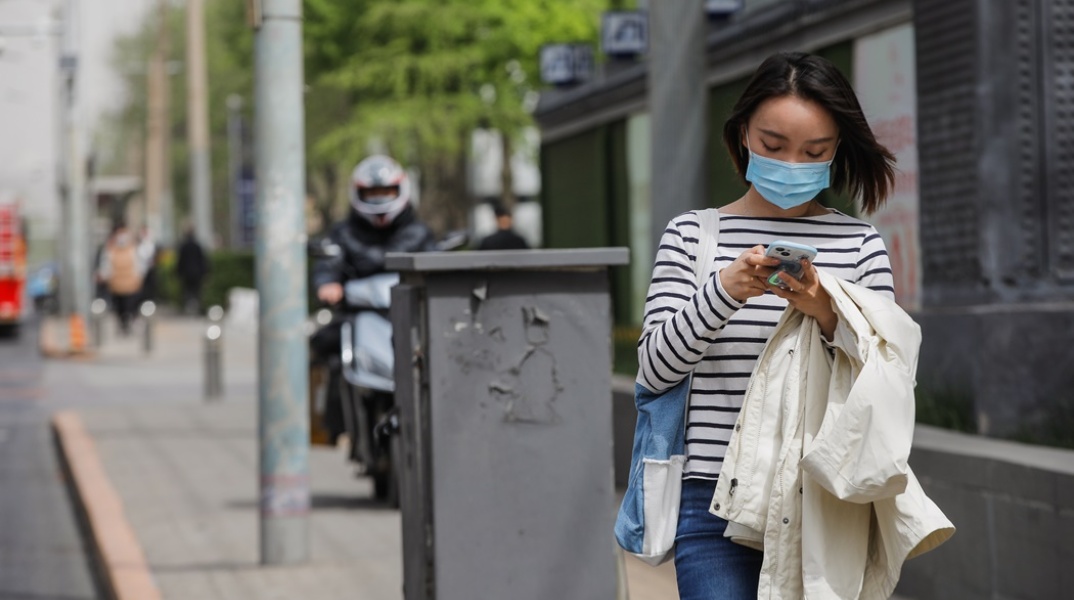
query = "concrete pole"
{"x": 76, "y": 215}
{"x": 158, "y": 131}
{"x": 198, "y": 123}
{"x": 677, "y": 104}
{"x": 281, "y": 283}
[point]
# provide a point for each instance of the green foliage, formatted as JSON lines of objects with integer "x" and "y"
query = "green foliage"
{"x": 1050, "y": 425}
{"x": 168, "y": 288}
{"x": 408, "y": 77}
{"x": 227, "y": 270}
{"x": 947, "y": 408}
{"x": 414, "y": 77}
{"x": 625, "y": 349}
{"x": 125, "y": 127}
{"x": 425, "y": 71}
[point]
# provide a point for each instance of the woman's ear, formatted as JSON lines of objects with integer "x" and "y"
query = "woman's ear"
{"x": 742, "y": 133}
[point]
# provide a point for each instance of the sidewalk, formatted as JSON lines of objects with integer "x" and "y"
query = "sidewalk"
{"x": 185, "y": 474}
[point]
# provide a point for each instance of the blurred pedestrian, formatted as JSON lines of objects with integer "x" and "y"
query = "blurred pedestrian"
{"x": 100, "y": 283}
{"x": 796, "y": 129}
{"x": 122, "y": 270}
{"x": 147, "y": 254}
{"x": 192, "y": 267}
{"x": 505, "y": 237}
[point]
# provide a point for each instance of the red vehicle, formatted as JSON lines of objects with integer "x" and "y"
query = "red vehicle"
{"x": 12, "y": 268}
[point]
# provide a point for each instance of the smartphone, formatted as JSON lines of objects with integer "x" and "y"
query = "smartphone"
{"x": 790, "y": 257}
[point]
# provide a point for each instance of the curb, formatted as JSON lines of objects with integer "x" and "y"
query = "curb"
{"x": 121, "y": 561}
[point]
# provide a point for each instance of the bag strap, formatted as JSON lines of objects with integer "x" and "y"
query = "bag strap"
{"x": 709, "y": 221}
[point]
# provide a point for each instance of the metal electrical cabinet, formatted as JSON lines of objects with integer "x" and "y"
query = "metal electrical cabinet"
{"x": 503, "y": 382}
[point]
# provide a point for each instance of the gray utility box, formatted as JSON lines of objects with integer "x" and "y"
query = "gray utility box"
{"x": 503, "y": 381}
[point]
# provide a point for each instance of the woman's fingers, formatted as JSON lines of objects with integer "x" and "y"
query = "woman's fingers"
{"x": 760, "y": 266}
{"x": 792, "y": 284}
{"x": 755, "y": 257}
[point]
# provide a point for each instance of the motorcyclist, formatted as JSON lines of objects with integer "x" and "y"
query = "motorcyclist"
{"x": 381, "y": 220}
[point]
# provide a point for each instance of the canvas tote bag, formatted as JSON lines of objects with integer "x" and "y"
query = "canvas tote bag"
{"x": 649, "y": 514}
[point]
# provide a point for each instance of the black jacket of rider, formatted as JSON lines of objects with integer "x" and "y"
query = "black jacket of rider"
{"x": 364, "y": 246}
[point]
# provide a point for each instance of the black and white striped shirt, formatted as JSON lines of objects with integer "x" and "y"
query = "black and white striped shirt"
{"x": 718, "y": 338}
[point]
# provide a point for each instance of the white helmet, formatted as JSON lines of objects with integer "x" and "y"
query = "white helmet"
{"x": 380, "y": 190}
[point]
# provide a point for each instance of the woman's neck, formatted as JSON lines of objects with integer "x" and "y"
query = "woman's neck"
{"x": 752, "y": 204}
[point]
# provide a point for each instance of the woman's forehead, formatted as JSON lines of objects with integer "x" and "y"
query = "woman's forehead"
{"x": 794, "y": 118}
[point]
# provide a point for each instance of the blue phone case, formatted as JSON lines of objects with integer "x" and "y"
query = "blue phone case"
{"x": 790, "y": 255}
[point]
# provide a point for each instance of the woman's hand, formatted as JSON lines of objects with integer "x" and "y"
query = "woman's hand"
{"x": 809, "y": 296}
{"x": 745, "y": 278}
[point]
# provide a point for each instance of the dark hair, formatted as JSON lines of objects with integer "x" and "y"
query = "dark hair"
{"x": 862, "y": 166}
{"x": 500, "y": 210}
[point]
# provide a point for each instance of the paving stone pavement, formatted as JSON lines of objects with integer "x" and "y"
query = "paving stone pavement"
{"x": 186, "y": 472}
{"x": 188, "y": 479}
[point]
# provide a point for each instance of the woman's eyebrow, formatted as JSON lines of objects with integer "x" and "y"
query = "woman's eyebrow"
{"x": 780, "y": 136}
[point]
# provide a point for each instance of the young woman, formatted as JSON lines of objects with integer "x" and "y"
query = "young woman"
{"x": 797, "y": 129}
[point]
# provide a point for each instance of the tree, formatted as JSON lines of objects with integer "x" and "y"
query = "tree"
{"x": 421, "y": 75}
{"x": 410, "y": 77}
{"x": 121, "y": 142}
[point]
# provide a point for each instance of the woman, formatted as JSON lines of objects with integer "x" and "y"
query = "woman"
{"x": 797, "y": 129}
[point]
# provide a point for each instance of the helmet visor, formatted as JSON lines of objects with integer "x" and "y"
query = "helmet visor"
{"x": 379, "y": 195}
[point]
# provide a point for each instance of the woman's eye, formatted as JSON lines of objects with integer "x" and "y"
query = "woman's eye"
{"x": 817, "y": 155}
{"x": 770, "y": 148}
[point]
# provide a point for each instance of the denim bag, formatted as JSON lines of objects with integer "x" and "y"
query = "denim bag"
{"x": 649, "y": 514}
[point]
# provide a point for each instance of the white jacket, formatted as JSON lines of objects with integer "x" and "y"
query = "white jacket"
{"x": 816, "y": 473}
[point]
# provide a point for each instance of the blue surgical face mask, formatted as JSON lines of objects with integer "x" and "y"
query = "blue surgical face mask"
{"x": 785, "y": 184}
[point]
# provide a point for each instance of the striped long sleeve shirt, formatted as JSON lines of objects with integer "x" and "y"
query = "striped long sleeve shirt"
{"x": 707, "y": 332}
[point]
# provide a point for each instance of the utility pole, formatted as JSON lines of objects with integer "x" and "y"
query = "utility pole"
{"x": 198, "y": 123}
{"x": 158, "y": 206}
{"x": 76, "y": 212}
{"x": 677, "y": 103}
{"x": 280, "y": 250}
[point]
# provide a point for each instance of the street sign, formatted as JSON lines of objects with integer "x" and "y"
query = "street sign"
{"x": 566, "y": 64}
{"x": 624, "y": 34}
{"x": 247, "y": 196}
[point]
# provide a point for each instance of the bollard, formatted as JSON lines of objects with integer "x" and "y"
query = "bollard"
{"x": 214, "y": 373}
{"x": 97, "y": 310}
{"x": 215, "y": 313}
{"x": 148, "y": 309}
{"x": 213, "y": 341}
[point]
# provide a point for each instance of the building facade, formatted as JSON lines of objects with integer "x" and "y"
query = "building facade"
{"x": 973, "y": 96}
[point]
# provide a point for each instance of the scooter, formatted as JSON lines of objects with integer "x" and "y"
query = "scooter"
{"x": 368, "y": 384}
{"x": 362, "y": 374}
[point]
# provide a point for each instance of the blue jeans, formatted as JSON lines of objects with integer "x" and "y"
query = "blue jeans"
{"x": 709, "y": 566}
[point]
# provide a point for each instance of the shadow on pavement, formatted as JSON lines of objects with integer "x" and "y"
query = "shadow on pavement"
{"x": 329, "y": 502}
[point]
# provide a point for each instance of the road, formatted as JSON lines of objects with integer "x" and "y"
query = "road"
{"x": 42, "y": 552}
